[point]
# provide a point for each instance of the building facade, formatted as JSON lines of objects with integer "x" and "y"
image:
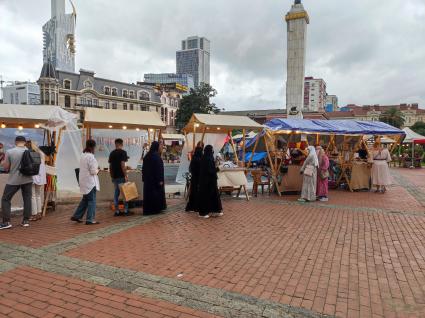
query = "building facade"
{"x": 185, "y": 80}
{"x": 331, "y": 103}
{"x": 412, "y": 113}
{"x": 25, "y": 93}
{"x": 194, "y": 59}
{"x": 59, "y": 37}
{"x": 296, "y": 19}
{"x": 314, "y": 95}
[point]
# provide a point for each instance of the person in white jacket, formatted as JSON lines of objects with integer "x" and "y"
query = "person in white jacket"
{"x": 89, "y": 184}
{"x": 38, "y": 185}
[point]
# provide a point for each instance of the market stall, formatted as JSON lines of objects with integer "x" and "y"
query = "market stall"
{"x": 215, "y": 130}
{"x": 413, "y": 139}
{"x": 57, "y": 125}
{"x": 134, "y": 124}
{"x": 173, "y": 145}
{"x": 289, "y": 138}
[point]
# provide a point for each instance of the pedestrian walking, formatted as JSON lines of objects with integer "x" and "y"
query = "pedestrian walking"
{"x": 153, "y": 181}
{"x": 322, "y": 175}
{"x": 118, "y": 172}
{"x": 209, "y": 196}
{"x": 38, "y": 184}
{"x": 16, "y": 181}
{"x": 195, "y": 172}
{"x": 309, "y": 170}
{"x": 89, "y": 184}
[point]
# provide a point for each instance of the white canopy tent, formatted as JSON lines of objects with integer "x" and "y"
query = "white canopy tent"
{"x": 61, "y": 129}
{"x": 412, "y": 137}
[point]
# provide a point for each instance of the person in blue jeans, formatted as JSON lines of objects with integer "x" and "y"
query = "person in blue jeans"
{"x": 118, "y": 172}
{"x": 89, "y": 184}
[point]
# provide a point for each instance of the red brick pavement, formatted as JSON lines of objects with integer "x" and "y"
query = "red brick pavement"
{"x": 334, "y": 261}
{"x": 396, "y": 198}
{"x": 27, "y": 292}
{"x": 57, "y": 226}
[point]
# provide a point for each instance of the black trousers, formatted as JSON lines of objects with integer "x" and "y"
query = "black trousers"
{"x": 9, "y": 192}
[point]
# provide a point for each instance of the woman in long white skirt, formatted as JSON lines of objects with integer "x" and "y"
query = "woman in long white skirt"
{"x": 381, "y": 177}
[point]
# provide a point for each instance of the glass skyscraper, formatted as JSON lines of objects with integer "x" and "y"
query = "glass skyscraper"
{"x": 194, "y": 59}
{"x": 169, "y": 78}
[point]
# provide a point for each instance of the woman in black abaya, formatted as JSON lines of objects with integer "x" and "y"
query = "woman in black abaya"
{"x": 153, "y": 181}
{"x": 195, "y": 171}
{"x": 209, "y": 197}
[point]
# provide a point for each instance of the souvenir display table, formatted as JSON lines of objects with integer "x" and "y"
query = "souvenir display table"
{"x": 360, "y": 175}
{"x": 233, "y": 179}
{"x": 292, "y": 180}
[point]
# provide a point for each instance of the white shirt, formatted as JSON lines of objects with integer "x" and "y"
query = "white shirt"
{"x": 41, "y": 179}
{"x": 88, "y": 173}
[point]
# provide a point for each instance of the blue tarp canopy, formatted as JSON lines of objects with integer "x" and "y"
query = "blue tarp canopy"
{"x": 339, "y": 127}
{"x": 257, "y": 156}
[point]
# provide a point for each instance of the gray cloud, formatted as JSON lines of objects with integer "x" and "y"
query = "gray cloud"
{"x": 368, "y": 52}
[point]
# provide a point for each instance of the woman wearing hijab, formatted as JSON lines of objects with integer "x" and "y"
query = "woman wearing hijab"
{"x": 195, "y": 171}
{"x": 153, "y": 181}
{"x": 309, "y": 170}
{"x": 209, "y": 196}
{"x": 322, "y": 175}
{"x": 381, "y": 176}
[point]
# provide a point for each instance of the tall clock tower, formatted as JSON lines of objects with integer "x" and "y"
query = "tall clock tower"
{"x": 296, "y": 19}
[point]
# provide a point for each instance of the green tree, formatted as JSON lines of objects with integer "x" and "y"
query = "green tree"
{"x": 419, "y": 127}
{"x": 393, "y": 117}
{"x": 198, "y": 101}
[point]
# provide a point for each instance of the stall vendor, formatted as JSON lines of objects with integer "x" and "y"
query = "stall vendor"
{"x": 362, "y": 152}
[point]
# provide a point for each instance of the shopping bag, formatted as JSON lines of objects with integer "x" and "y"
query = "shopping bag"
{"x": 129, "y": 191}
{"x": 309, "y": 170}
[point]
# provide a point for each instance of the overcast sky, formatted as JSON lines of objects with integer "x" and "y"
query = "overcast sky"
{"x": 368, "y": 52}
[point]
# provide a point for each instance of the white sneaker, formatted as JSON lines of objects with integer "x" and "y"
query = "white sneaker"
{"x": 323, "y": 199}
{"x": 205, "y": 216}
{"x": 220, "y": 214}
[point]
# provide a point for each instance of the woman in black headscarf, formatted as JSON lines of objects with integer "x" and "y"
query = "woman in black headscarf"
{"x": 195, "y": 171}
{"x": 209, "y": 197}
{"x": 153, "y": 181}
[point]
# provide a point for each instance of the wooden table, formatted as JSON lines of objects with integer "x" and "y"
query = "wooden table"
{"x": 292, "y": 181}
{"x": 360, "y": 175}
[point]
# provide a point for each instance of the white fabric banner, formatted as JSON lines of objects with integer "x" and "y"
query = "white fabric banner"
{"x": 215, "y": 140}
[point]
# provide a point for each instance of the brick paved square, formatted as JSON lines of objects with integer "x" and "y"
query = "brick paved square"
{"x": 26, "y": 292}
{"x": 359, "y": 255}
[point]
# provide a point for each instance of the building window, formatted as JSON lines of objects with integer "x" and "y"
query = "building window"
{"x": 67, "y": 101}
{"x": 95, "y": 102}
{"x": 52, "y": 98}
{"x": 131, "y": 107}
{"x": 114, "y": 105}
{"x": 107, "y": 90}
{"x": 107, "y": 106}
{"x": 144, "y": 96}
{"x": 67, "y": 84}
{"x": 125, "y": 93}
{"x": 124, "y": 106}
{"x": 114, "y": 91}
{"x": 132, "y": 94}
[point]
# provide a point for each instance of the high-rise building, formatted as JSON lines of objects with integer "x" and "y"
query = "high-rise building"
{"x": 170, "y": 78}
{"x": 297, "y": 19}
{"x": 194, "y": 59}
{"x": 26, "y": 93}
{"x": 331, "y": 103}
{"x": 59, "y": 37}
{"x": 314, "y": 95}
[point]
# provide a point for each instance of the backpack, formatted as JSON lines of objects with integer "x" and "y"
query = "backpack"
{"x": 30, "y": 163}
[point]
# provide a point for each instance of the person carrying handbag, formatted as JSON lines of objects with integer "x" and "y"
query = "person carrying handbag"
{"x": 309, "y": 170}
{"x": 322, "y": 174}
